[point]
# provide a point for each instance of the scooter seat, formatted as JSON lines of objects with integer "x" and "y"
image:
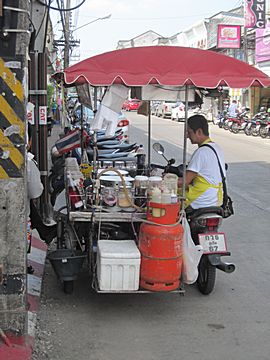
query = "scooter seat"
{"x": 207, "y": 210}
{"x": 122, "y": 147}
{"x": 108, "y": 142}
{"x": 113, "y": 156}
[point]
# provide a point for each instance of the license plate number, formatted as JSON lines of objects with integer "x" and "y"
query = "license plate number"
{"x": 213, "y": 243}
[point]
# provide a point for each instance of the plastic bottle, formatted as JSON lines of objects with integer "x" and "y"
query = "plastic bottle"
{"x": 141, "y": 150}
{"x": 174, "y": 199}
{"x": 140, "y": 160}
{"x": 156, "y": 198}
{"x": 74, "y": 195}
{"x": 165, "y": 199}
{"x": 85, "y": 167}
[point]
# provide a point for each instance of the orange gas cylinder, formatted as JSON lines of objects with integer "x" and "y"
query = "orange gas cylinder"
{"x": 161, "y": 257}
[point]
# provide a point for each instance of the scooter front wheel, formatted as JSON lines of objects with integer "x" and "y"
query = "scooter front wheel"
{"x": 247, "y": 131}
{"x": 207, "y": 276}
{"x": 263, "y": 132}
{"x": 235, "y": 129}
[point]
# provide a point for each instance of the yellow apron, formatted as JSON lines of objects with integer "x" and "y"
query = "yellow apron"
{"x": 200, "y": 185}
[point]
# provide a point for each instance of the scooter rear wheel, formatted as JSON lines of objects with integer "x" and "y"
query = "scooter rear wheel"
{"x": 207, "y": 276}
{"x": 68, "y": 286}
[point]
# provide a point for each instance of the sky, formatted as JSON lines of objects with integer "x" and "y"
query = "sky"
{"x": 130, "y": 18}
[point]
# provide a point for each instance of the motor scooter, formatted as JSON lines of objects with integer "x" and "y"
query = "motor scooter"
{"x": 204, "y": 225}
{"x": 265, "y": 127}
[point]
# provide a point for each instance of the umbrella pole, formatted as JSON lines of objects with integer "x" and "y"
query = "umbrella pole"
{"x": 82, "y": 132}
{"x": 185, "y": 150}
{"x": 149, "y": 133}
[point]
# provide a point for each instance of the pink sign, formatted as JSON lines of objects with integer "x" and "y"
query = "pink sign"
{"x": 229, "y": 36}
{"x": 254, "y": 13}
{"x": 263, "y": 44}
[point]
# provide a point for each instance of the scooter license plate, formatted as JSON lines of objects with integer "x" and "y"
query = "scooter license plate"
{"x": 213, "y": 243}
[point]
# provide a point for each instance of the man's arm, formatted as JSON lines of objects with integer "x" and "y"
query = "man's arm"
{"x": 190, "y": 175}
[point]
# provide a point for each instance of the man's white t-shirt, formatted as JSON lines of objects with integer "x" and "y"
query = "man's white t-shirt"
{"x": 232, "y": 110}
{"x": 34, "y": 184}
{"x": 205, "y": 163}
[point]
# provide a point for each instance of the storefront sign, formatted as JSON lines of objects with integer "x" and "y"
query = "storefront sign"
{"x": 255, "y": 14}
{"x": 229, "y": 36}
{"x": 263, "y": 44}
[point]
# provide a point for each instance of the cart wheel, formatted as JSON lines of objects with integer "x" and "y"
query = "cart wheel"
{"x": 207, "y": 276}
{"x": 68, "y": 287}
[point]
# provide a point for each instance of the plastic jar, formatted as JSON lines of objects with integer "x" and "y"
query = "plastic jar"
{"x": 156, "y": 198}
{"x": 124, "y": 196}
{"x": 154, "y": 181}
{"x": 171, "y": 182}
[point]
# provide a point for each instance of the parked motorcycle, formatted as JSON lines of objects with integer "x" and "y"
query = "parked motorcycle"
{"x": 265, "y": 127}
{"x": 204, "y": 225}
{"x": 227, "y": 123}
{"x": 253, "y": 126}
{"x": 240, "y": 123}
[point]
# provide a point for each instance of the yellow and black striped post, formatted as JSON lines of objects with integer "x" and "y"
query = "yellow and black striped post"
{"x": 12, "y": 124}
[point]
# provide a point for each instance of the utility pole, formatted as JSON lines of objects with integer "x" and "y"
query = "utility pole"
{"x": 38, "y": 95}
{"x": 14, "y": 42}
{"x": 67, "y": 37}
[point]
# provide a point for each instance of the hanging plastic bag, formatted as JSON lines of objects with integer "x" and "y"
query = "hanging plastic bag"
{"x": 191, "y": 255}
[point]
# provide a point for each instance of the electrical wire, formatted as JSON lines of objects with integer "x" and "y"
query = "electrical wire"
{"x": 61, "y": 10}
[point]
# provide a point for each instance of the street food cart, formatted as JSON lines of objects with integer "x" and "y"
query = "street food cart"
{"x": 136, "y": 246}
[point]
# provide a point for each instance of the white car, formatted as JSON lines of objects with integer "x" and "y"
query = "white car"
{"x": 178, "y": 112}
{"x": 164, "y": 109}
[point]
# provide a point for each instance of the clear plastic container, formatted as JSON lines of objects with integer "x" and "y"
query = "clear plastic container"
{"x": 124, "y": 197}
{"x": 154, "y": 181}
{"x": 171, "y": 182}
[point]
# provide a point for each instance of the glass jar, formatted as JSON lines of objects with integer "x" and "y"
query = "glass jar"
{"x": 141, "y": 188}
{"x": 109, "y": 196}
{"x": 124, "y": 196}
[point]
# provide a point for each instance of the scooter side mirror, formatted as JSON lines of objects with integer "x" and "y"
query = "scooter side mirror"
{"x": 158, "y": 148}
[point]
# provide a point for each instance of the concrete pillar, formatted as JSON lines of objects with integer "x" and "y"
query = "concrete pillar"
{"x": 13, "y": 95}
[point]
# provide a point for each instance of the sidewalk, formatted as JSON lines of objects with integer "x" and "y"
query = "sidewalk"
{"x": 22, "y": 348}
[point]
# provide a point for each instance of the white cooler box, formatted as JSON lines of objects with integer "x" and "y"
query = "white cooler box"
{"x": 118, "y": 265}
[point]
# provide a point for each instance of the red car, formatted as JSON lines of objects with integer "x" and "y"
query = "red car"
{"x": 132, "y": 104}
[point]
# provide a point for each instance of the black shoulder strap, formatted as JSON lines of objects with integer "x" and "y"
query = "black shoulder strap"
{"x": 225, "y": 194}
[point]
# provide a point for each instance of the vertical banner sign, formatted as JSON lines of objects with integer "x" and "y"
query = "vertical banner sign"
{"x": 1, "y": 7}
{"x": 255, "y": 14}
{"x": 31, "y": 113}
{"x": 42, "y": 115}
{"x": 229, "y": 36}
{"x": 263, "y": 44}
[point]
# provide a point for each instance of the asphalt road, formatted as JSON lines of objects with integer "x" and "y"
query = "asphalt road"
{"x": 231, "y": 323}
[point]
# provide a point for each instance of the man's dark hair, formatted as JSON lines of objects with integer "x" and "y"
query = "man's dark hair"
{"x": 196, "y": 122}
